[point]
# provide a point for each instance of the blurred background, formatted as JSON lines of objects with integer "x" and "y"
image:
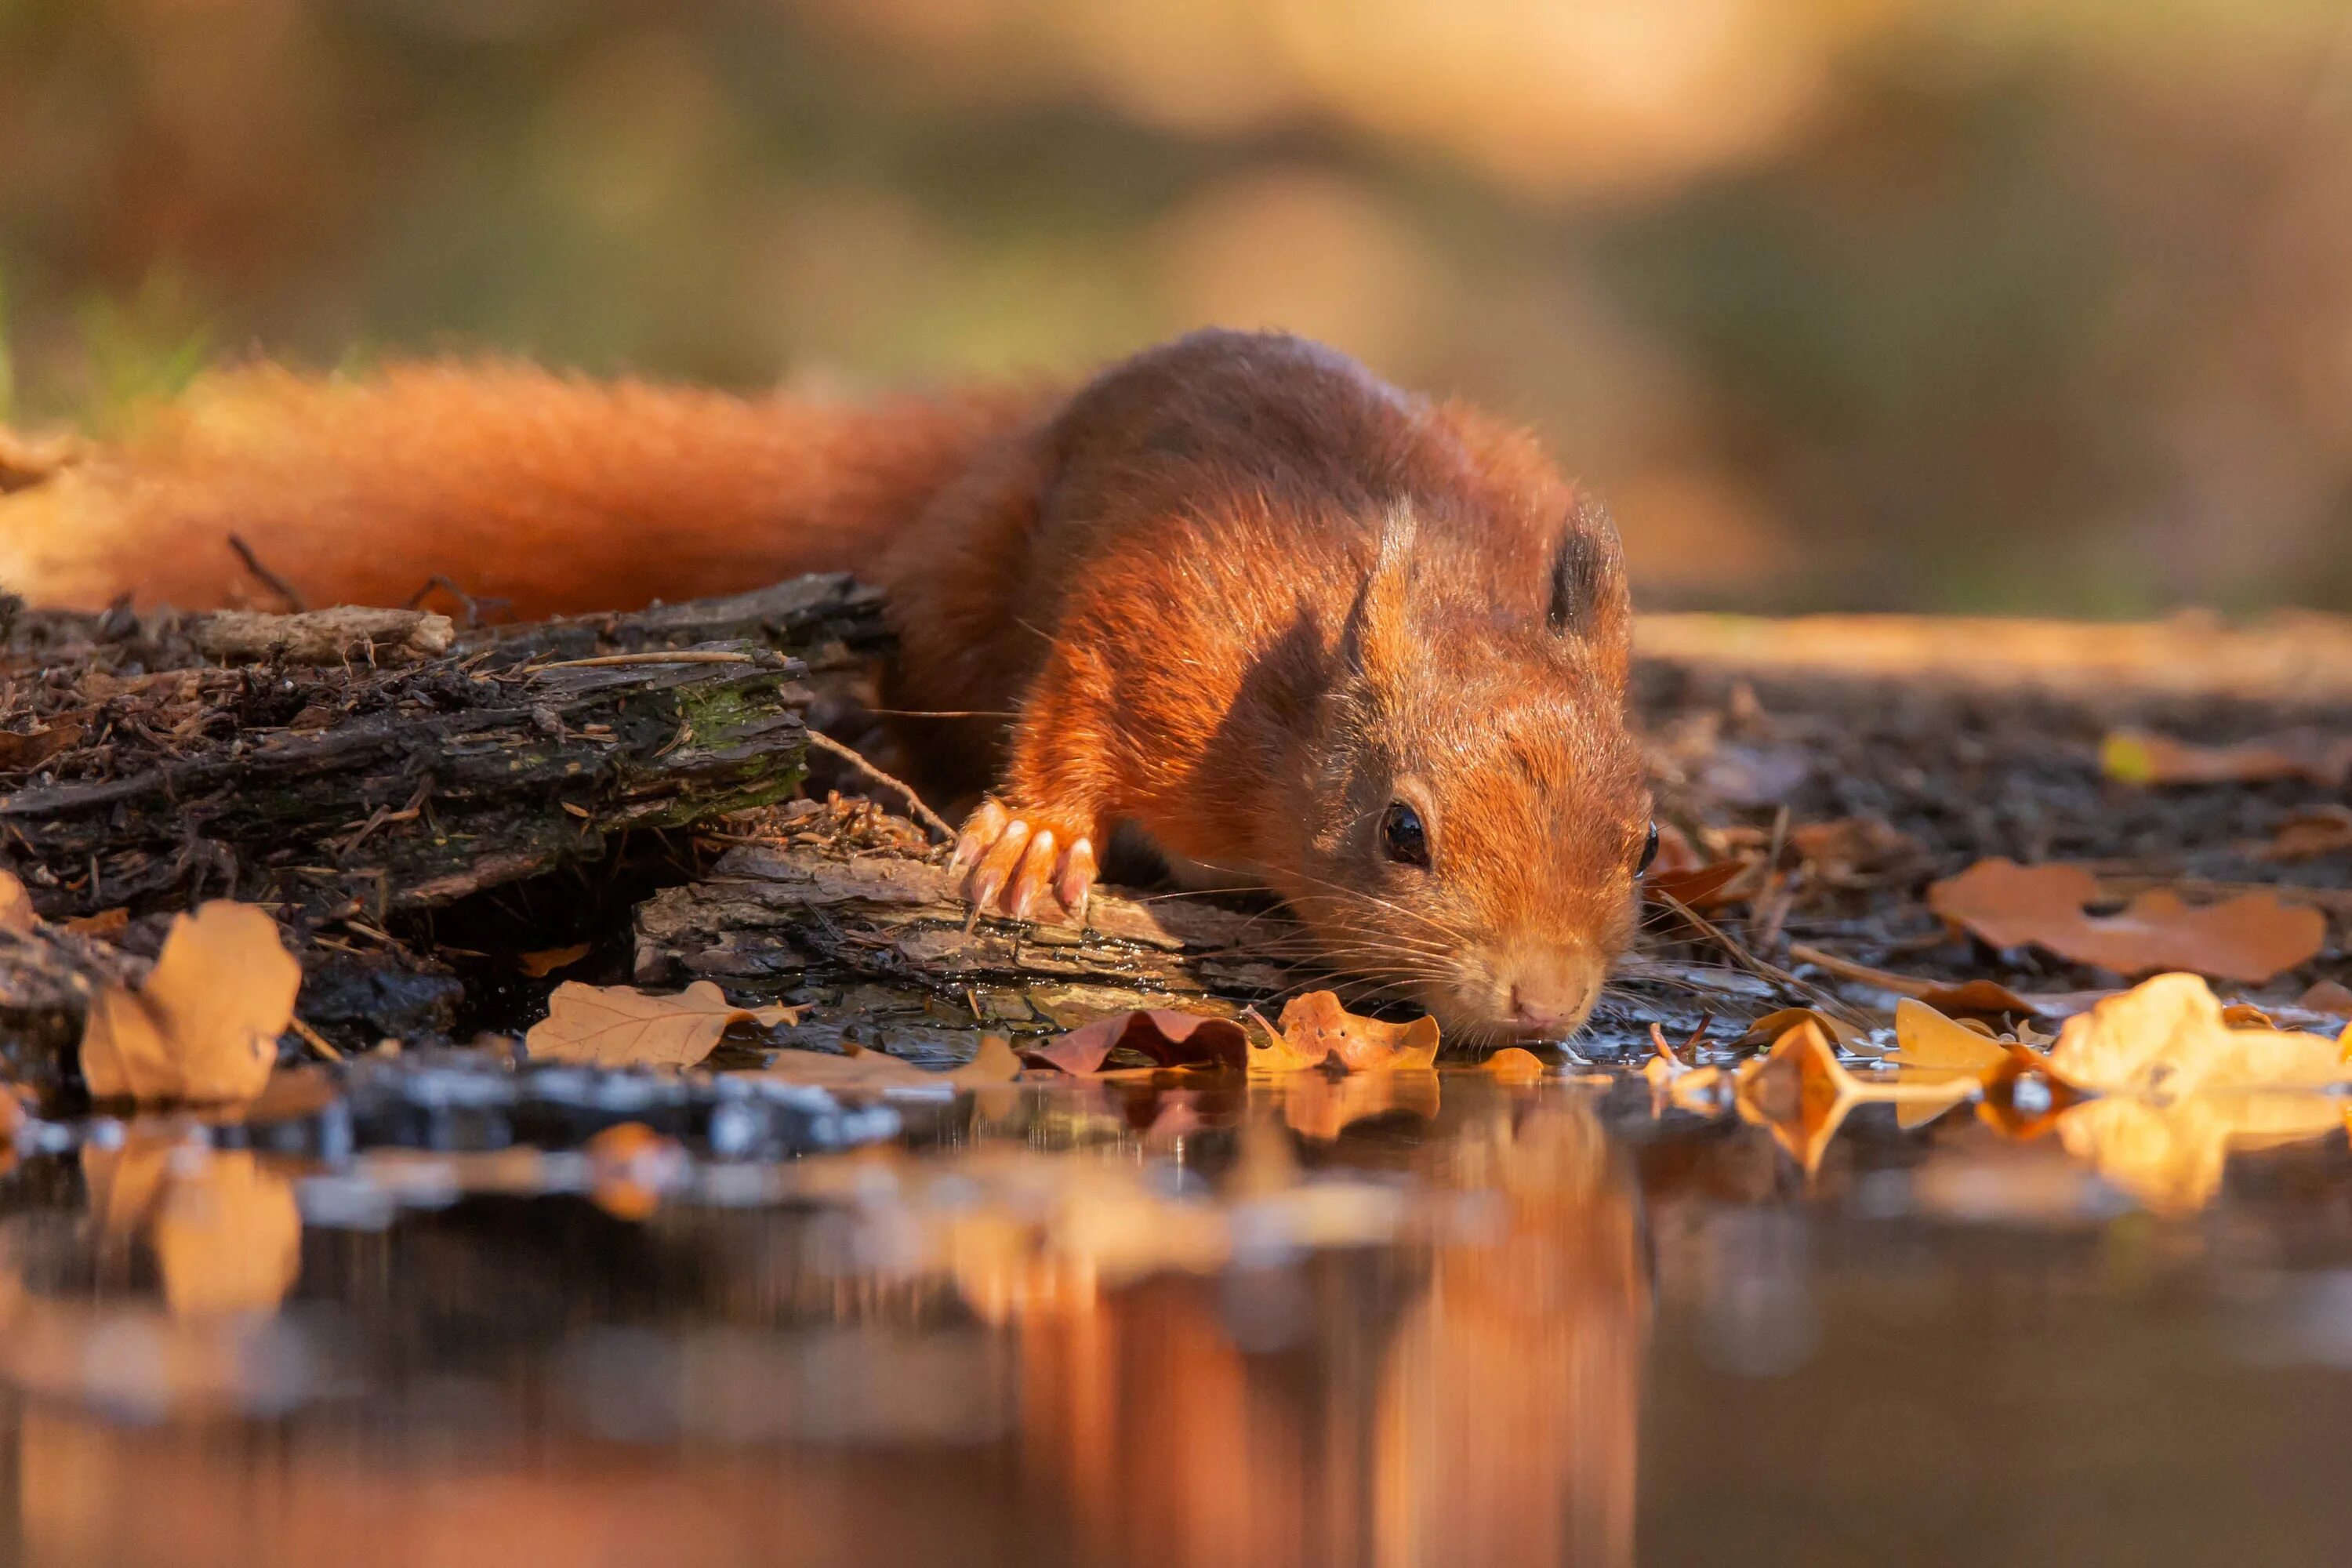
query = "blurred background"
{"x": 2027, "y": 305}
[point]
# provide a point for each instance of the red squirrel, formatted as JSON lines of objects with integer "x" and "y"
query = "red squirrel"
{"x": 1301, "y": 628}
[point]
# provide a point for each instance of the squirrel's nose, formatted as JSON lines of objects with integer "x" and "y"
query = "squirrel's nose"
{"x": 1551, "y": 993}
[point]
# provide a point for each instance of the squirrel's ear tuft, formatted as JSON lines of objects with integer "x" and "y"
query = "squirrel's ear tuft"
{"x": 1377, "y": 622}
{"x": 1588, "y": 601}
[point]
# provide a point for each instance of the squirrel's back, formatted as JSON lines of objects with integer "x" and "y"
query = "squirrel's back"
{"x": 551, "y": 492}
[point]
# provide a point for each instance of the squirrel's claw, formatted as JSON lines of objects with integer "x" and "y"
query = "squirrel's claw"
{"x": 1013, "y": 861}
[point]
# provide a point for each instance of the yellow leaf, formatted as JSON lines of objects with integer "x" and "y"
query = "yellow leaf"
{"x": 206, "y": 1023}
{"x": 620, "y": 1026}
{"x": 2168, "y": 1036}
{"x": 1925, "y": 1038}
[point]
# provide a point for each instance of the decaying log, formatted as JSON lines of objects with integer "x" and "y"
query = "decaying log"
{"x": 881, "y": 942}
{"x": 152, "y": 778}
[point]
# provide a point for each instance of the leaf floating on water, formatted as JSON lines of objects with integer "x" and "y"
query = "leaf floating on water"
{"x": 620, "y": 1026}
{"x": 2170, "y": 1036}
{"x": 1315, "y": 1029}
{"x": 1166, "y": 1035}
{"x": 857, "y": 1068}
{"x": 2250, "y": 938}
{"x": 205, "y": 1024}
{"x": 1515, "y": 1064}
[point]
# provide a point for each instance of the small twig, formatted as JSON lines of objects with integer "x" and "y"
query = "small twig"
{"x": 612, "y": 660}
{"x": 316, "y": 1041}
{"x": 1735, "y": 950}
{"x": 270, "y": 580}
{"x": 1847, "y": 969}
{"x": 915, "y": 808}
{"x": 474, "y": 607}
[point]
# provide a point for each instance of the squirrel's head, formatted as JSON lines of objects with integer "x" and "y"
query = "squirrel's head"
{"x": 1477, "y": 814}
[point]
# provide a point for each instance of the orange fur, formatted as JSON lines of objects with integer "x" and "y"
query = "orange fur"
{"x": 1238, "y": 591}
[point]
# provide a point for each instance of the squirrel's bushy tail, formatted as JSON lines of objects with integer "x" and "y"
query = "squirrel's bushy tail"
{"x": 551, "y": 492}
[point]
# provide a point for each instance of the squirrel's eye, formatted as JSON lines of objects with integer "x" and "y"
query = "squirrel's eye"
{"x": 1649, "y": 851}
{"x": 1402, "y": 835}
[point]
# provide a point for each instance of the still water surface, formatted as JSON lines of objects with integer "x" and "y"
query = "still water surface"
{"x": 1439, "y": 1319}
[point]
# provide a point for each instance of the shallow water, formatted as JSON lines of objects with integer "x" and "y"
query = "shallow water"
{"x": 1437, "y": 1320}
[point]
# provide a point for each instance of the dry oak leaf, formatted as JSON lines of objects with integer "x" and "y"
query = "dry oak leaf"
{"x": 857, "y": 1067}
{"x": 1315, "y": 1029}
{"x": 2169, "y": 1037}
{"x": 621, "y": 1027}
{"x": 1801, "y": 1093}
{"x": 206, "y": 1023}
{"x": 1168, "y": 1035}
{"x": 2250, "y": 938}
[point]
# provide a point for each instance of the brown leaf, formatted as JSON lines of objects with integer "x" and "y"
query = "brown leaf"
{"x": 2308, "y": 834}
{"x": 1770, "y": 1029}
{"x": 2169, "y": 1037}
{"x": 547, "y": 961}
{"x": 2330, "y": 997}
{"x": 1802, "y": 1092}
{"x": 1702, "y": 887}
{"x": 1853, "y": 851}
{"x": 620, "y": 1026}
{"x": 206, "y": 1023}
{"x": 105, "y": 923}
{"x": 1315, "y": 1029}
{"x": 17, "y": 911}
{"x": 21, "y": 751}
{"x": 2144, "y": 757}
{"x": 857, "y": 1068}
{"x": 1168, "y": 1035}
{"x": 2249, "y": 938}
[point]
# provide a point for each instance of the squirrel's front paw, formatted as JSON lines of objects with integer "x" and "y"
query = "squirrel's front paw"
{"x": 1014, "y": 857}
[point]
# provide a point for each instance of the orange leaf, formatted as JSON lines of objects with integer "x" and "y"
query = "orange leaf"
{"x": 1515, "y": 1064}
{"x": 541, "y": 964}
{"x": 2144, "y": 757}
{"x": 16, "y": 905}
{"x": 2170, "y": 1036}
{"x": 2249, "y": 938}
{"x": 206, "y": 1023}
{"x": 1315, "y": 1029}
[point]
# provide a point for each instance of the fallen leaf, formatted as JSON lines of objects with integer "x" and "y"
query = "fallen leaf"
{"x": 1770, "y": 1029}
{"x": 2168, "y": 1036}
{"x": 1927, "y": 1040}
{"x": 2144, "y": 757}
{"x": 1315, "y": 1029}
{"x": 105, "y": 923}
{"x": 620, "y": 1026}
{"x": 2330, "y": 997}
{"x": 2250, "y": 938}
{"x": 17, "y": 911}
{"x": 2308, "y": 834}
{"x": 1515, "y": 1064}
{"x": 547, "y": 961}
{"x": 860, "y": 1068}
{"x": 1855, "y": 851}
{"x": 1166, "y": 1035}
{"x": 21, "y": 751}
{"x": 1702, "y": 887}
{"x": 206, "y": 1023}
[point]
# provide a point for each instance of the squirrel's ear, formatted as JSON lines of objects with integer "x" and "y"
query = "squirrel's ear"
{"x": 1377, "y": 623}
{"x": 1589, "y": 600}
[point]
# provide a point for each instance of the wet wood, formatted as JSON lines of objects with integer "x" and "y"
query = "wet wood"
{"x": 881, "y": 942}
